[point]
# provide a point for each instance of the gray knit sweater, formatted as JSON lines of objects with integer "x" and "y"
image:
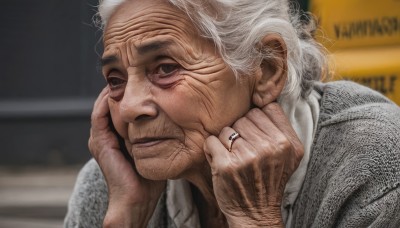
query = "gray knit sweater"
{"x": 352, "y": 179}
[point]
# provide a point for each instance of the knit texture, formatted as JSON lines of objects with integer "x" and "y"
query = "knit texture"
{"x": 89, "y": 200}
{"x": 353, "y": 177}
{"x": 352, "y": 180}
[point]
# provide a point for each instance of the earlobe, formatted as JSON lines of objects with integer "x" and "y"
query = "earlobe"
{"x": 271, "y": 75}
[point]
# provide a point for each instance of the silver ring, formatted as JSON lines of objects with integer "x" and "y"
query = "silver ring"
{"x": 232, "y": 138}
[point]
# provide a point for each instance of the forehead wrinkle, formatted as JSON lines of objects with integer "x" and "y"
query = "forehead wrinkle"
{"x": 139, "y": 24}
{"x": 177, "y": 47}
{"x": 137, "y": 27}
{"x": 157, "y": 25}
{"x": 143, "y": 32}
{"x": 157, "y": 13}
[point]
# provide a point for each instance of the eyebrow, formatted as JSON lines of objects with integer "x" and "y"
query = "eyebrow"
{"x": 153, "y": 46}
{"x": 141, "y": 49}
{"x": 108, "y": 60}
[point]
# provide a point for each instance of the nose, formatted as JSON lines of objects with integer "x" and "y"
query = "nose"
{"x": 137, "y": 103}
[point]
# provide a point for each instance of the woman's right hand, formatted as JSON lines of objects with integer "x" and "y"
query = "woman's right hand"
{"x": 250, "y": 175}
{"x": 132, "y": 198}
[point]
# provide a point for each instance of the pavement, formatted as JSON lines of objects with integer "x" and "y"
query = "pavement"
{"x": 35, "y": 197}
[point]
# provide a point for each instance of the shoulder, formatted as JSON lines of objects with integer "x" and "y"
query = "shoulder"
{"x": 354, "y": 166}
{"x": 359, "y": 115}
{"x": 88, "y": 202}
{"x": 360, "y": 128}
{"x": 347, "y": 100}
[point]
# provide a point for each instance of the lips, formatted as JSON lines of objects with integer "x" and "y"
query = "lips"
{"x": 150, "y": 147}
{"x": 148, "y": 141}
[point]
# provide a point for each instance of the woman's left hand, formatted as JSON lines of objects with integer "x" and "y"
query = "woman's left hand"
{"x": 249, "y": 180}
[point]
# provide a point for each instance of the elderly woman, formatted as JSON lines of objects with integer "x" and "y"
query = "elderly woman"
{"x": 213, "y": 116}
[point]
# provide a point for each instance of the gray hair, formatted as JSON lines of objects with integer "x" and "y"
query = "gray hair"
{"x": 236, "y": 27}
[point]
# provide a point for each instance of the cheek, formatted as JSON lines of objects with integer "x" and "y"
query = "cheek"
{"x": 119, "y": 125}
{"x": 182, "y": 106}
{"x": 205, "y": 108}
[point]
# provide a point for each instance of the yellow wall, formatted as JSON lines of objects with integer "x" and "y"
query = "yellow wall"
{"x": 358, "y": 23}
{"x": 364, "y": 38}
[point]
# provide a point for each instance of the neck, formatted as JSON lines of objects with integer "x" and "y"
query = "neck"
{"x": 204, "y": 198}
{"x": 201, "y": 180}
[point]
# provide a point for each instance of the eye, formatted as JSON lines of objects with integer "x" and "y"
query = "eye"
{"x": 164, "y": 70}
{"x": 165, "y": 75}
{"x": 115, "y": 82}
{"x": 115, "y": 79}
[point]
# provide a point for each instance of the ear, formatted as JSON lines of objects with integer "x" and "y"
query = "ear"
{"x": 271, "y": 75}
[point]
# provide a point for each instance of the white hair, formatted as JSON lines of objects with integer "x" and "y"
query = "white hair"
{"x": 237, "y": 26}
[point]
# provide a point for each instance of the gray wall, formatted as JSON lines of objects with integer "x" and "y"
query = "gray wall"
{"x": 48, "y": 81}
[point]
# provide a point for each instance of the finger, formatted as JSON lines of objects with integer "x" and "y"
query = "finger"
{"x": 117, "y": 171}
{"x": 100, "y": 113}
{"x": 275, "y": 113}
{"x": 103, "y": 93}
{"x": 225, "y": 137}
{"x": 272, "y": 133}
{"x": 276, "y": 131}
{"x": 215, "y": 151}
{"x": 250, "y": 132}
{"x": 240, "y": 148}
{"x": 262, "y": 122}
{"x": 219, "y": 157}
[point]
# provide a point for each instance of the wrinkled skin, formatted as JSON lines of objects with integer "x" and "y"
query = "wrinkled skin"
{"x": 171, "y": 98}
{"x": 252, "y": 176}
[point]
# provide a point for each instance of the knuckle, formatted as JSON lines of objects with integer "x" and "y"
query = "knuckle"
{"x": 92, "y": 149}
{"x": 224, "y": 130}
{"x": 272, "y": 150}
{"x": 265, "y": 145}
{"x": 284, "y": 144}
{"x": 240, "y": 123}
{"x": 249, "y": 160}
{"x": 272, "y": 106}
{"x": 208, "y": 140}
{"x": 95, "y": 116}
{"x": 253, "y": 113}
{"x": 245, "y": 161}
{"x": 223, "y": 168}
{"x": 93, "y": 120}
{"x": 207, "y": 143}
{"x": 299, "y": 153}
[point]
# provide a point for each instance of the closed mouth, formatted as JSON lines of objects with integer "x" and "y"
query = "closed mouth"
{"x": 148, "y": 141}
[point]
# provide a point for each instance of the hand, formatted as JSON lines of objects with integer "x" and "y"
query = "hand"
{"x": 132, "y": 199}
{"x": 249, "y": 180}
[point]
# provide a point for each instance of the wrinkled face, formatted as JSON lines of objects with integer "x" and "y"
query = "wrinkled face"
{"x": 169, "y": 88}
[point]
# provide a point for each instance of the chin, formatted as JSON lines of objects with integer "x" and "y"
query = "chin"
{"x": 160, "y": 162}
{"x": 159, "y": 170}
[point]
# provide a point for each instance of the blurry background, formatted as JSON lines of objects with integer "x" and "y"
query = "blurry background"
{"x": 49, "y": 79}
{"x": 364, "y": 40}
{"x": 49, "y": 51}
